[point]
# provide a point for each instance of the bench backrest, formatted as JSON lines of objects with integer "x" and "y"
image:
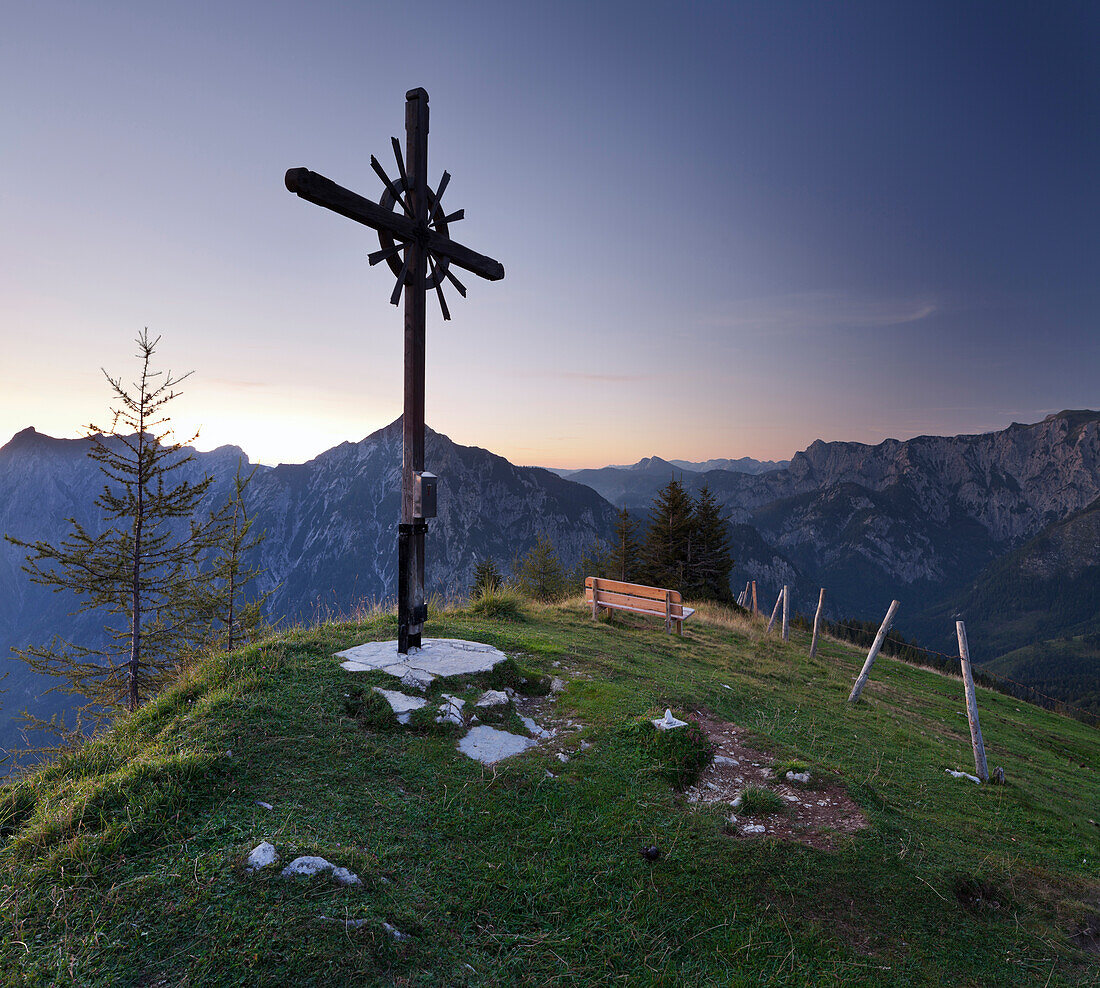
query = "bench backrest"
{"x": 633, "y": 595}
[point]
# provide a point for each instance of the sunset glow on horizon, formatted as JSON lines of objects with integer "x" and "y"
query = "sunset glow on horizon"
{"x": 728, "y": 230}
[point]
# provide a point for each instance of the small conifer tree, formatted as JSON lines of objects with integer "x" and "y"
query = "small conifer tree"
{"x": 487, "y": 579}
{"x": 234, "y": 618}
{"x": 540, "y": 574}
{"x": 143, "y": 571}
{"x": 625, "y": 558}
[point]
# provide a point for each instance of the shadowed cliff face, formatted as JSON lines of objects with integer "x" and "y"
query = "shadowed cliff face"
{"x": 916, "y": 520}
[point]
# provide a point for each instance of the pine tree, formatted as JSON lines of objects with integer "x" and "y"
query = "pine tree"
{"x": 143, "y": 571}
{"x": 666, "y": 555}
{"x": 540, "y": 574}
{"x": 597, "y": 560}
{"x": 711, "y": 561}
{"x": 487, "y": 579}
{"x": 625, "y": 559}
{"x": 233, "y": 617}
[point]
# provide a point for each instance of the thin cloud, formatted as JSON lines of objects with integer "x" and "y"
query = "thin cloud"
{"x": 816, "y": 311}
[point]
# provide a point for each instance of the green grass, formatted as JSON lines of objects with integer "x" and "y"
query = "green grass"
{"x": 123, "y": 864}
{"x": 760, "y": 801}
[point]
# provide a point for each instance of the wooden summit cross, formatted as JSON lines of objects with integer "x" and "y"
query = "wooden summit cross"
{"x": 412, "y": 240}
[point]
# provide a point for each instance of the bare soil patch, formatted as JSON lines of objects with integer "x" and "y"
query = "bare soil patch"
{"x": 819, "y": 814}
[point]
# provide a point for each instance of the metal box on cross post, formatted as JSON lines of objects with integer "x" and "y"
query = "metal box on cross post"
{"x": 424, "y": 494}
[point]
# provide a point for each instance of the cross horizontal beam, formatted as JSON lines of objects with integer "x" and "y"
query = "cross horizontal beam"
{"x": 322, "y": 191}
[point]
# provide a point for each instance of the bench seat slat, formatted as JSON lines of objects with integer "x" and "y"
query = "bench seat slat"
{"x": 688, "y": 611}
{"x": 633, "y": 590}
{"x": 630, "y": 600}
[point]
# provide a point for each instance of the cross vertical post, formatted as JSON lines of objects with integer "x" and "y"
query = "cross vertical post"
{"x": 409, "y": 217}
{"x": 410, "y": 582}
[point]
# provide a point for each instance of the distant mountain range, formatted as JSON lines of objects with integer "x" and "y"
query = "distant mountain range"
{"x": 746, "y": 464}
{"x": 330, "y": 524}
{"x": 1001, "y": 529}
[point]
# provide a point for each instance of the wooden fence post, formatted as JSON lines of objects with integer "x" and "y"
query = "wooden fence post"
{"x": 786, "y": 613}
{"x": 972, "y": 705}
{"x": 775, "y": 611}
{"x": 817, "y": 622}
{"x": 755, "y": 609}
{"x": 595, "y": 606}
{"x": 879, "y": 638}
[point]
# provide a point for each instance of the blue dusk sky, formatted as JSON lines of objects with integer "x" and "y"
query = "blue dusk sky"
{"x": 728, "y": 229}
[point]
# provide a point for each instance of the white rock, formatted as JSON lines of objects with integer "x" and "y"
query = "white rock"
{"x": 585, "y": 745}
{"x": 263, "y": 805}
{"x": 402, "y": 705}
{"x": 790, "y": 799}
{"x": 557, "y": 685}
{"x": 668, "y": 722}
{"x": 450, "y": 710}
{"x": 436, "y": 657}
{"x": 964, "y": 775}
{"x": 737, "y": 802}
{"x": 753, "y": 828}
{"x": 309, "y": 865}
{"x": 488, "y": 744}
{"x": 550, "y": 775}
{"x": 538, "y": 732}
{"x": 351, "y": 924}
{"x": 723, "y": 760}
{"x": 394, "y": 932}
{"x": 798, "y": 776}
{"x": 261, "y": 856}
{"x": 345, "y": 877}
{"x": 562, "y": 757}
{"x": 492, "y": 698}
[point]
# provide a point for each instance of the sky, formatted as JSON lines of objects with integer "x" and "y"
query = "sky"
{"x": 728, "y": 229}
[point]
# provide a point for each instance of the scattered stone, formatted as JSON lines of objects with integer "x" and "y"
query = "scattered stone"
{"x": 562, "y": 757}
{"x": 538, "y": 732}
{"x": 492, "y": 698}
{"x": 711, "y": 785}
{"x": 416, "y": 680}
{"x": 737, "y": 802}
{"x": 585, "y": 746}
{"x": 798, "y": 776}
{"x": 261, "y": 856}
{"x": 557, "y": 685}
{"x": 964, "y": 775}
{"x": 394, "y": 932}
{"x": 488, "y": 744}
{"x": 556, "y": 664}
{"x": 436, "y": 657}
{"x": 263, "y": 805}
{"x": 551, "y": 775}
{"x": 725, "y": 687}
{"x": 724, "y": 760}
{"x": 668, "y": 722}
{"x": 450, "y": 710}
{"x": 351, "y": 924}
{"x": 310, "y": 865}
{"x": 789, "y": 799}
{"x": 753, "y": 828}
{"x": 402, "y": 705}
{"x": 651, "y": 853}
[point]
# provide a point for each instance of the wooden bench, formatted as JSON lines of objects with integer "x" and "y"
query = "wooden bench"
{"x": 615, "y": 596}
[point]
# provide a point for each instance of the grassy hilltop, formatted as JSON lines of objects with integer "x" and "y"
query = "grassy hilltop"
{"x": 123, "y": 864}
